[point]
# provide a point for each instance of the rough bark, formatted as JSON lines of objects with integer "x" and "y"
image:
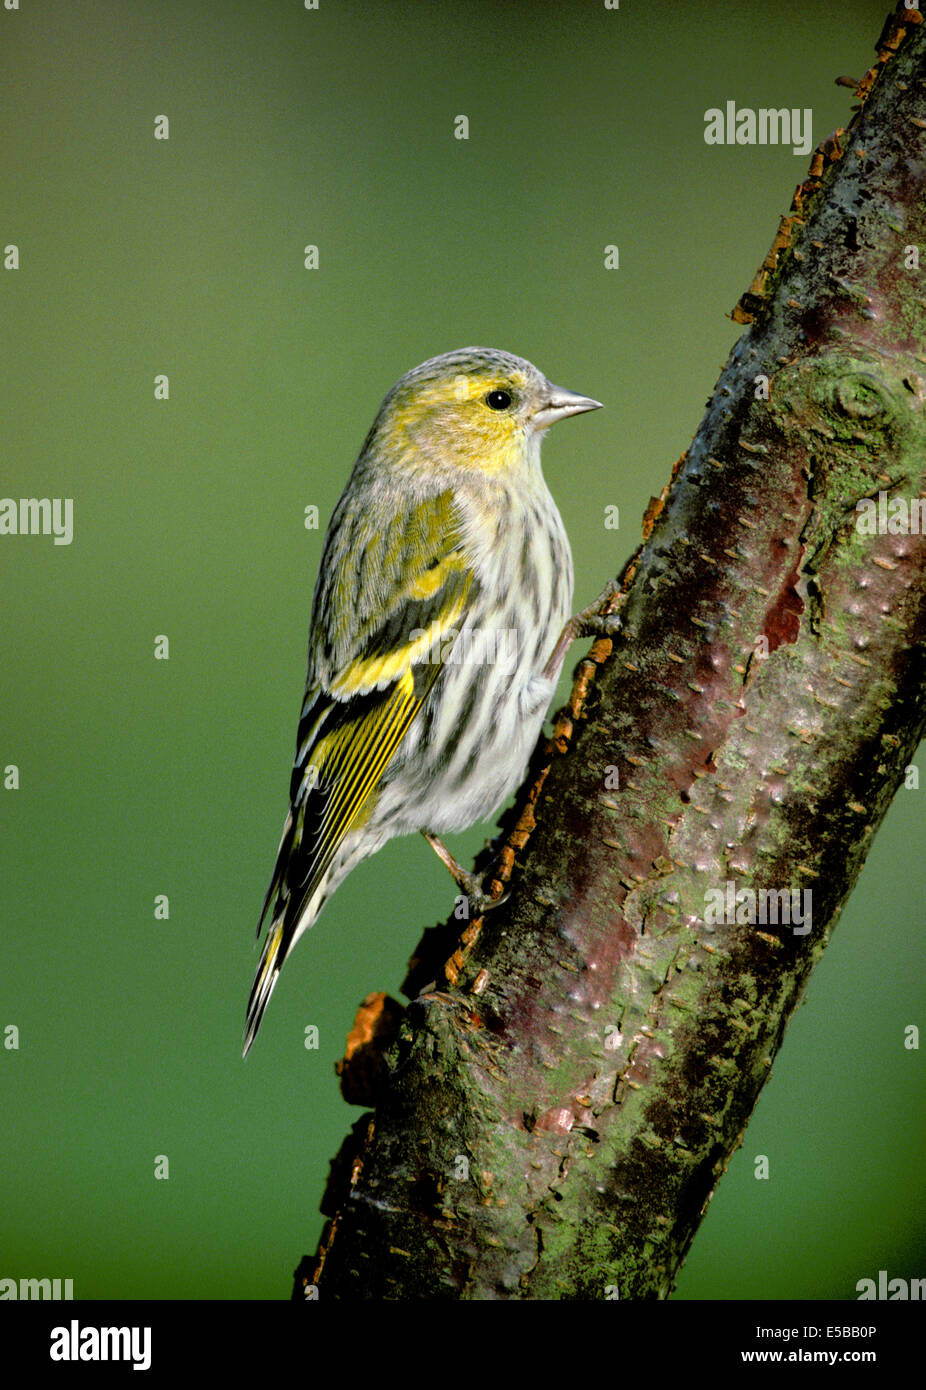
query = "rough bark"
{"x": 552, "y": 1118}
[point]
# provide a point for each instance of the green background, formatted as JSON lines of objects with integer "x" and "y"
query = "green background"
{"x": 141, "y": 777}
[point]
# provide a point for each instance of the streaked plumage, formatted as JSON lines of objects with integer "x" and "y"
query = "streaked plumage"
{"x": 445, "y": 581}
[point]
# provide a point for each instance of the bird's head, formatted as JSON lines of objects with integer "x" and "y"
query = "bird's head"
{"x": 475, "y": 408}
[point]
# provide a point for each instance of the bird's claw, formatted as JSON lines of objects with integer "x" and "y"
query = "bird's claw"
{"x": 483, "y": 902}
{"x": 602, "y": 625}
{"x": 478, "y": 900}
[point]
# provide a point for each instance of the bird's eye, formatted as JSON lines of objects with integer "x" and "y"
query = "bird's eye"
{"x": 498, "y": 400}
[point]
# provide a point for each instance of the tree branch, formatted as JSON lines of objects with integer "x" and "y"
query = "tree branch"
{"x": 551, "y": 1121}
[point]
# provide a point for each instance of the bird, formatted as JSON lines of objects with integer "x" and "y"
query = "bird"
{"x": 440, "y": 620}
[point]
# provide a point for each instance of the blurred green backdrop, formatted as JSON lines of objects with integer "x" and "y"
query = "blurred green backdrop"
{"x": 141, "y": 777}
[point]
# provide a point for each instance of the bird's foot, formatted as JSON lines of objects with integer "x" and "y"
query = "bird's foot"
{"x": 599, "y": 619}
{"x": 472, "y": 885}
{"x": 602, "y": 617}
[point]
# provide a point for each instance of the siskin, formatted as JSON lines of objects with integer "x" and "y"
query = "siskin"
{"x": 445, "y": 582}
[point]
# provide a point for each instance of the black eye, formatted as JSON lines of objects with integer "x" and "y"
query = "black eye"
{"x": 498, "y": 400}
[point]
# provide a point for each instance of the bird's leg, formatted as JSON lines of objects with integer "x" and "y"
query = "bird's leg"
{"x": 599, "y": 619}
{"x": 479, "y": 900}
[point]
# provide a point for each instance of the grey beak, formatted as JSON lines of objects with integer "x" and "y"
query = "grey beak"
{"x": 559, "y": 404}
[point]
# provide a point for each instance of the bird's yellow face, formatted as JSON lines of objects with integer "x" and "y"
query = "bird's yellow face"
{"x": 475, "y": 409}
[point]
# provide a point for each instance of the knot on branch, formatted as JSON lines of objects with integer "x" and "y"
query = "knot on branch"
{"x": 861, "y": 396}
{"x": 833, "y": 401}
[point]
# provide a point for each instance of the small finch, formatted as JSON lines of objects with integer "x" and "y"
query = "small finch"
{"x": 445, "y": 582}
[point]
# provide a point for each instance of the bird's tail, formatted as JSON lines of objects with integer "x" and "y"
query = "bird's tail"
{"x": 298, "y": 894}
{"x": 284, "y": 931}
{"x": 268, "y": 972}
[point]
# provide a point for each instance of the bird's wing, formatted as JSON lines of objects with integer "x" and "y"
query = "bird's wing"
{"x": 383, "y": 622}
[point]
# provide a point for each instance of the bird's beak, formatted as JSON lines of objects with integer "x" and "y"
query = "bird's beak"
{"x": 559, "y": 403}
